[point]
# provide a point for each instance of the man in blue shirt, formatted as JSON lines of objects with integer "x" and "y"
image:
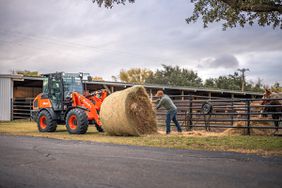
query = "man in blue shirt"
{"x": 167, "y": 103}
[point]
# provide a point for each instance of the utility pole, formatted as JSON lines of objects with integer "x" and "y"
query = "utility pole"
{"x": 243, "y": 77}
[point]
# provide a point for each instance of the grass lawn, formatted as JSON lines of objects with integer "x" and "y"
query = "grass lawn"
{"x": 262, "y": 145}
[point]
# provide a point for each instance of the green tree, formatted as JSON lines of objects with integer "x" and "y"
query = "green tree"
{"x": 276, "y": 87}
{"x": 232, "y": 12}
{"x": 135, "y": 75}
{"x": 238, "y": 12}
{"x": 233, "y": 82}
{"x": 258, "y": 86}
{"x": 175, "y": 76}
{"x": 210, "y": 83}
{"x": 109, "y": 3}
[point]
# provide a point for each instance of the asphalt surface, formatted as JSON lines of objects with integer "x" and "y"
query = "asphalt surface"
{"x": 42, "y": 162}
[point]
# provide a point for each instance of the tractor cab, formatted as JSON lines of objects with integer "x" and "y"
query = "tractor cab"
{"x": 59, "y": 86}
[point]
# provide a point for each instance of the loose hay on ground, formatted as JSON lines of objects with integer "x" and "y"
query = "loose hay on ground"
{"x": 253, "y": 131}
{"x": 128, "y": 113}
{"x": 202, "y": 133}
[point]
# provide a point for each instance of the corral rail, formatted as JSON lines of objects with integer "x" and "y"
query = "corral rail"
{"x": 207, "y": 113}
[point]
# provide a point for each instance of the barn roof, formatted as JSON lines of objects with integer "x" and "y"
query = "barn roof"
{"x": 150, "y": 86}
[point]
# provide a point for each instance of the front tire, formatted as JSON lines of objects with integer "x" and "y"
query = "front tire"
{"x": 77, "y": 121}
{"x": 45, "y": 123}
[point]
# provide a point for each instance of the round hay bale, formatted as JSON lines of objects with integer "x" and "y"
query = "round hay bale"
{"x": 128, "y": 113}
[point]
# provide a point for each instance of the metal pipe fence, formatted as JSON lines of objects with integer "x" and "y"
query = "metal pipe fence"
{"x": 206, "y": 112}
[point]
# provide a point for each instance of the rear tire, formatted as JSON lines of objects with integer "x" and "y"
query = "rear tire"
{"x": 45, "y": 123}
{"x": 77, "y": 121}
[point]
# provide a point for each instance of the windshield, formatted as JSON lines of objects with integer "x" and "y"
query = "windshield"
{"x": 45, "y": 85}
{"x": 72, "y": 83}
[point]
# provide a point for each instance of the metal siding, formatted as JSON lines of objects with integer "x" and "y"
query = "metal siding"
{"x": 6, "y": 95}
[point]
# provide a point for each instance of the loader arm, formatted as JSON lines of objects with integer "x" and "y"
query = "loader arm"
{"x": 78, "y": 100}
{"x": 98, "y": 100}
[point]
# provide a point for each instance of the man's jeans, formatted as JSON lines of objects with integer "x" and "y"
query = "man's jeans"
{"x": 171, "y": 115}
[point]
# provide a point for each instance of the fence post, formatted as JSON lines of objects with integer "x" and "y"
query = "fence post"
{"x": 12, "y": 110}
{"x": 30, "y": 107}
{"x": 248, "y": 117}
{"x": 190, "y": 124}
{"x": 232, "y": 111}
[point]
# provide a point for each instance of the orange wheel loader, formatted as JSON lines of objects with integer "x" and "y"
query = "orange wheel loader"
{"x": 62, "y": 102}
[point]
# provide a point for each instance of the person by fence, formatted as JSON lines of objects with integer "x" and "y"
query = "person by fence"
{"x": 166, "y": 102}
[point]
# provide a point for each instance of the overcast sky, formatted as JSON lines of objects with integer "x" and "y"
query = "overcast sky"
{"x": 78, "y": 36}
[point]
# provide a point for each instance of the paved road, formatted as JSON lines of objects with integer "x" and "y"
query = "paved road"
{"x": 41, "y": 162}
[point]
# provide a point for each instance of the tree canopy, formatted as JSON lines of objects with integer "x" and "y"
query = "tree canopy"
{"x": 238, "y": 12}
{"x": 135, "y": 75}
{"x": 175, "y": 76}
{"x": 233, "y": 82}
{"x": 109, "y": 3}
{"x": 231, "y": 12}
{"x": 276, "y": 87}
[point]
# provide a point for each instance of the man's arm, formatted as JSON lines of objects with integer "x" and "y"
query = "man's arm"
{"x": 159, "y": 104}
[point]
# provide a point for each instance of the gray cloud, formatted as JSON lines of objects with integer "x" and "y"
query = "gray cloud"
{"x": 268, "y": 67}
{"x": 76, "y": 36}
{"x": 222, "y": 61}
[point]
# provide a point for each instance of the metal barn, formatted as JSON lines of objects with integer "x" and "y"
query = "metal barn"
{"x": 17, "y": 93}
